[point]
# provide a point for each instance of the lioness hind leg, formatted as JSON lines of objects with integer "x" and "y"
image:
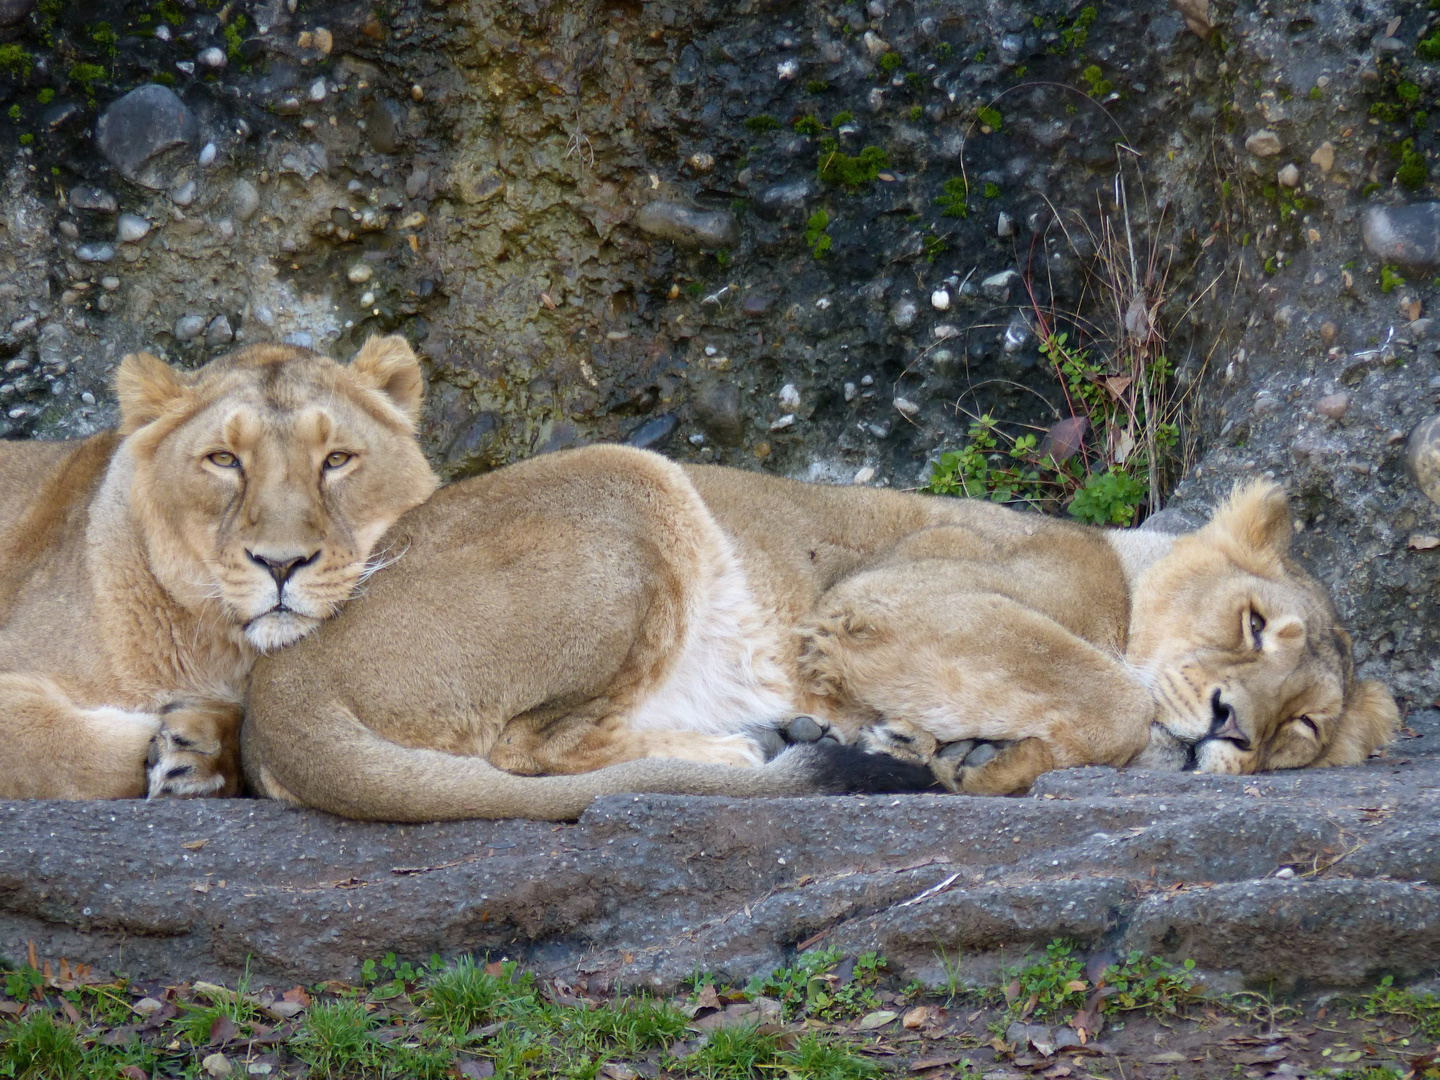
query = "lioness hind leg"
{"x": 196, "y": 751}
{"x": 1010, "y": 772}
{"x": 585, "y": 747}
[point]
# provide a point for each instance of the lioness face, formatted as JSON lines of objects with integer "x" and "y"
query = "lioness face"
{"x": 265, "y": 478}
{"x": 1241, "y": 650}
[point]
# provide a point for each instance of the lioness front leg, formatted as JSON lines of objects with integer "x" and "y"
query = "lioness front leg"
{"x": 54, "y": 749}
{"x": 196, "y": 750}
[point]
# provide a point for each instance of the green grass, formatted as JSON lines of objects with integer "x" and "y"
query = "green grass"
{"x": 836, "y": 167}
{"x": 506, "y": 1020}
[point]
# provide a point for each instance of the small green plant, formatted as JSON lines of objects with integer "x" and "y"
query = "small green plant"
{"x": 23, "y": 983}
{"x": 171, "y": 12}
{"x": 762, "y": 123}
{"x": 1109, "y": 498}
{"x": 935, "y": 246}
{"x": 991, "y": 118}
{"x": 809, "y": 125}
{"x": 816, "y": 86}
{"x": 27, "y": 139}
{"x": 104, "y": 36}
{"x": 837, "y": 167}
{"x": 1389, "y": 278}
{"x": 1428, "y": 48}
{"x": 1051, "y": 986}
{"x": 723, "y": 257}
{"x": 1099, "y": 85}
{"x": 389, "y": 978}
{"x": 234, "y": 35}
{"x": 695, "y": 288}
{"x": 1407, "y": 91}
{"x": 991, "y": 190}
{"x": 841, "y": 118}
{"x": 14, "y": 113}
{"x": 953, "y": 195}
{"x": 86, "y": 76}
{"x": 1316, "y": 94}
{"x": 816, "y": 237}
{"x": 45, "y": 96}
{"x": 980, "y": 56}
{"x": 15, "y": 61}
{"x": 1421, "y": 1010}
{"x": 916, "y": 112}
{"x": 944, "y": 51}
{"x": 1021, "y": 71}
{"x": 890, "y": 61}
{"x": 1414, "y": 170}
{"x": 1077, "y": 33}
{"x": 1149, "y": 984}
{"x": 813, "y": 987}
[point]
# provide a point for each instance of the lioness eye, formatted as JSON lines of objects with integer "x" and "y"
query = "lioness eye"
{"x": 224, "y": 460}
{"x": 338, "y": 458}
{"x": 1257, "y": 623}
{"x": 1314, "y": 730}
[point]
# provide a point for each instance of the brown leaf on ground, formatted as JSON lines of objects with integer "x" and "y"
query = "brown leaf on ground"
{"x": 470, "y": 1069}
{"x": 71, "y": 1013}
{"x": 195, "y": 845}
{"x": 935, "y": 1061}
{"x": 134, "y": 1072}
{"x": 1062, "y": 441}
{"x": 222, "y": 1030}
{"x": 708, "y": 998}
{"x": 298, "y": 996}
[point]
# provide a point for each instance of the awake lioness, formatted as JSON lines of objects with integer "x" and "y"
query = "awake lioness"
{"x": 142, "y": 571}
{"x": 591, "y": 611}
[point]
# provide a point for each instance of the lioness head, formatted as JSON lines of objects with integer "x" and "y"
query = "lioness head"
{"x": 1242, "y": 651}
{"x": 263, "y": 480}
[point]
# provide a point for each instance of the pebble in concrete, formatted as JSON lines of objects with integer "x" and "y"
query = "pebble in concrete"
{"x": 1408, "y": 235}
{"x": 1422, "y": 457}
{"x": 688, "y": 227}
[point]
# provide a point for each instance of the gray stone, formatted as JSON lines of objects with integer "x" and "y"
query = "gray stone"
{"x": 13, "y": 11}
{"x": 183, "y": 193}
{"x": 1264, "y": 143}
{"x": 95, "y": 199}
{"x": 1406, "y": 235}
{"x": 385, "y": 125}
{"x": 1333, "y": 405}
{"x": 783, "y": 200}
{"x": 95, "y": 253}
{"x": 717, "y": 407}
{"x": 218, "y": 332}
{"x": 135, "y": 131}
{"x": 189, "y": 327}
{"x": 244, "y": 200}
{"x": 211, "y": 57}
{"x": 130, "y": 228}
{"x": 688, "y": 227}
{"x": 653, "y": 432}
{"x": 1422, "y": 457}
{"x": 997, "y": 286}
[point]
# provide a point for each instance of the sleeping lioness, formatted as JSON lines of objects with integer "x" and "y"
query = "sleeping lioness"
{"x": 142, "y": 571}
{"x": 575, "y": 624}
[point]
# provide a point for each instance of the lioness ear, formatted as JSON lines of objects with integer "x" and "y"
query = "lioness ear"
{"x": 1368, "y": 723}
{"x": 1257, "y": 516}
{"x": 389, "y": 365}
{"x": 146, "y": 386}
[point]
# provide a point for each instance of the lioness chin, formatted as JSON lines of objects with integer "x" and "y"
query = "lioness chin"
{"x": 142, "y": 570}
{"x": 604, "y": 620}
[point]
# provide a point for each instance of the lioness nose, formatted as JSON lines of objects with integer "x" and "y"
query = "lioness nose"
{"x": 1224, "y": 724}
{"x": 281, "y": 569}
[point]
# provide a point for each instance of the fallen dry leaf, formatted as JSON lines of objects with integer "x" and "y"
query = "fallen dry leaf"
{"x": 934, "y": 1062}
{"x": 878, "y": 1018}
{"x": 195, "y": 845}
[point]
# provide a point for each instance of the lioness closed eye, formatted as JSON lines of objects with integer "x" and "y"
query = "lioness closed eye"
{"x": 559, "y": 628}
{"x": 142, "y": 570}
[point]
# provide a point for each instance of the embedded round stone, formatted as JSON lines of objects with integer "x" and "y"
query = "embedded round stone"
{"x": 1422, "y": 457}
{"x": 688, "y": 227}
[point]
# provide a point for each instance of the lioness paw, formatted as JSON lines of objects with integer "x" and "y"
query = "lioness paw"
{"x": 196, "y": 752}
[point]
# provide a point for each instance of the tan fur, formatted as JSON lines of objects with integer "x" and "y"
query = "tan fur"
{"x": 132, "y": 601}
{"x": 600, "y": 613}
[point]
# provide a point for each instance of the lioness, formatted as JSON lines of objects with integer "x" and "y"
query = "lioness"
{"x": 142, "y": 570}
{"x": 584, "y": 611}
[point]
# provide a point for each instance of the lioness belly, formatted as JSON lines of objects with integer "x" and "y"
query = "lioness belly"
{"x": 729, "y": 672}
